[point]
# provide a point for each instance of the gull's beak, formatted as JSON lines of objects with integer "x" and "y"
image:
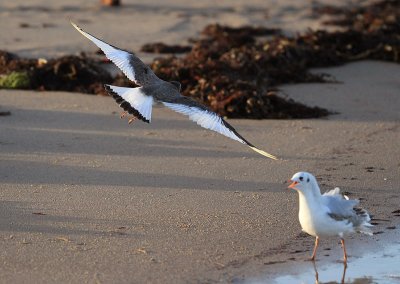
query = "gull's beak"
{"x": 293, "y": 184}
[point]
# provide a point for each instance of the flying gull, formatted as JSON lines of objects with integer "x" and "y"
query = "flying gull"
{"x": 139, "y": 101}
{"x": 329, "y": 214}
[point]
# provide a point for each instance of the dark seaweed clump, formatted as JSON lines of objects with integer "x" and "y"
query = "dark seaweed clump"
{"x": 67, "y": 73}
{"x": 160, "y": 47}
{"x": 235, "y": 71}
{"x": 229, "y": 71}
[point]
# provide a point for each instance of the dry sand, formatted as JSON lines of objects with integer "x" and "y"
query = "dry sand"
{"x": 87, "y": 198}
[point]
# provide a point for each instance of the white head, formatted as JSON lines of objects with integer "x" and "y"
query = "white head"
{"x": 305, "y": 183}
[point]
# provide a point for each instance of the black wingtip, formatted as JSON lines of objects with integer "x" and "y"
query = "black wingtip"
{"x": 254, "y": 148}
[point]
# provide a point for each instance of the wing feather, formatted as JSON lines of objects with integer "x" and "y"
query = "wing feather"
{"x": 209, "y": 120}
{"x": 130, "y": 65}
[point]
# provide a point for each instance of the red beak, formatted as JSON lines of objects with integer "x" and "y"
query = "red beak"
{"x": 293, "y": 184}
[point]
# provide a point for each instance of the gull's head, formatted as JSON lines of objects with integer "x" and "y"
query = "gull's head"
{"x": 304, "y": 182}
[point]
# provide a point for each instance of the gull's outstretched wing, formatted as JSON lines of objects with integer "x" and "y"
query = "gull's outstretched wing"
{"x": 131, "y": 65}
{"x": 209, "y": 120}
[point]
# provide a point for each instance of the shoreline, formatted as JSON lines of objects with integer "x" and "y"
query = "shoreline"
{"x": 330, "y": 259}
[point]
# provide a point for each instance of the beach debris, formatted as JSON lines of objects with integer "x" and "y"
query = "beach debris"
{"x": 15, "y": 80}
{"x": 24, "y": 25}
{"x": 25, "y": 242}
{"x": 369, "y": 169}
{"x": 375, "y": 27}
{"x": 111, "y": 2}
{"x": 5, "y": 113}
{"x": 244, "y": 31}
{"x": 116, "y": 232}
{"x": 39, "y": 213}
{"x": 67, "y": 73}
{"x": 235, "y": 77}
{"x": 159, "y": 47}
{"x": 63, "y": 239}
{"x": 141, "y": 250}
{"x": 365, "y": 18}
{"x": 235, "y": 73}
{"x": 396, "y": 211}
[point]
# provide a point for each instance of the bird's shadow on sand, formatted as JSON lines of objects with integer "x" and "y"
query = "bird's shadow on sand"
{"x": 33, "y": 172}
{"x": 59, "y": 132}
{"x": 18, "y": 216}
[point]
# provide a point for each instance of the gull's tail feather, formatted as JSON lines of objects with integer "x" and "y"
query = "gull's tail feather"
{"x": 364, "y": 228}
{"x": 364, "y": 219}
{"x": 268, "y": 155}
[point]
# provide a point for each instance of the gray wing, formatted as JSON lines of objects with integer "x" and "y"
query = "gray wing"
{"x": 338, "y": 204}
{"x": 130, "y": 65}
{"x": 342, "y": 209}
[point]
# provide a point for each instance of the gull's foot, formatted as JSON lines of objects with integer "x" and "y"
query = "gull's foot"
{"x": 123, "y": 114}
{"x": 132, "y": 119}
{"x": 344, "y": 262}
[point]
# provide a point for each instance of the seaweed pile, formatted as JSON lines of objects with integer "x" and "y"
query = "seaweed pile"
{"x": 160, "y": 47}
{"x": 371, "y": 32}
{"x": 229, "y": 71}
{"x": 67, "y": 73}
{"x": 235, "y": 71}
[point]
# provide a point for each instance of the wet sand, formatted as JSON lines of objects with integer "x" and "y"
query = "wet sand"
{"x": 376, "y": 265}
{"x": 85, "y": 197}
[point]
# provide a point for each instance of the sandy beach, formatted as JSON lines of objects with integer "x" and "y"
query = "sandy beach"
{"x": 87, "y": 198}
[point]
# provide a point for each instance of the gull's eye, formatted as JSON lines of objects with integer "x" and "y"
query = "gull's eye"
{"x": 308, "y": 180}
{"x": 301, "y": 178}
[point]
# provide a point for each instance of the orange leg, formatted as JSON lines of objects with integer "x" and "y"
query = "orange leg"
{"x": 316, "y": 273}
{"x": 123, "y": 114}
{"x": 132, "y": 119}
{"x": 344, "y": 251}
{"x": 315, "y": 248}
{"x": 344, "y": 273}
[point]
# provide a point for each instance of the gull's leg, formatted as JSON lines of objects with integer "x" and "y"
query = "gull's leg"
{"x": 344, "y": 251}
{"x": 316, "y": 273}
{"x": 344, "y": 273}
{"x": 315, "y": 248}
{"x": 132, "y": 119}
{"x": 123, "y": 114}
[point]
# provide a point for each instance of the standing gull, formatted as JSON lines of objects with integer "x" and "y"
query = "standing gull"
{"x": 139, "y": 101}
{"x": 329, "y": 214}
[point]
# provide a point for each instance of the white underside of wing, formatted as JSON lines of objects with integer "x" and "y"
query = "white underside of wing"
{"x": 206, "y": 119}
{"x": 137, "y": 99}
{"x": 117, "y": 56}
